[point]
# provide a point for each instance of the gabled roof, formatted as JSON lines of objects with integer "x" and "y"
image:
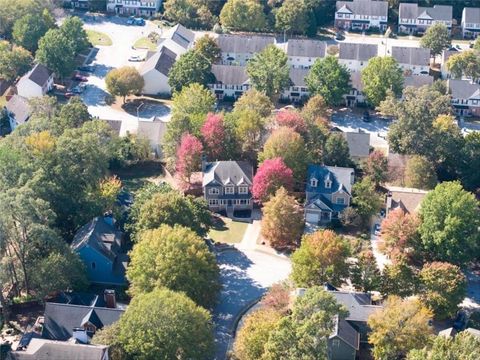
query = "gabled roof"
{"x": 471, "y": 15}
{"x": 99, "y": 235}
{"x": 358, "y": 304}
{"x": 363, "y": 7}
{"x": 306, "y": 48}
{"x": 358, "y": 143}
{"x": 19, "y": 107}
{"x": 411, "y": 55}
{"x": 244, "y": 43}
{"x": 181, "y": 35}
{"x": 417, "y": 80}
{"x": 341, "y": 178}
{"x": 228, "y": 173}
{"x": 437, "y": 12}
{"x": 162, "y": 61}
{"x": 39, "y": 74}
{"x": 230, "y": 74}
{"x": 297, "y": 76}
{"x": 357, "y": 51}
{"x": 42, "y": 349}
{"x": 346, "y": 332}
{"x": 407, "y": 199}
{"x": 463, "y": 89}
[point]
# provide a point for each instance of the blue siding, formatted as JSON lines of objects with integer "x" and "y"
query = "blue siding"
{"x": 103, "y": 271}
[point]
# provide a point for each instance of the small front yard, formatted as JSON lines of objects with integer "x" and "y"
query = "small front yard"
{"x": 145, "y": 43}
{"x": 98, "y": 38}
{"x": 135, "y": 176}
{"x": 226, "y": 230}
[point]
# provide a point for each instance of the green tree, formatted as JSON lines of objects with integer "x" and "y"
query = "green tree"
{"x": 10, "y": 11}
{"x": 182, "y": 329}
{"x": 315, "y": 109}
{"x": 365, "y": 275}
{"x": 290, "y": 146}
{"x": 246, "y": 15}
{"x": 382, "y": 73}
{"x": 208, "y": 47}
{"x": 401, "y": 326}
{"x": 461, "y": 347}
{"x": 282, "y": 223}
{"x": 191, "y": 67}
{"x": 254, "y": 100}
{"x": 72, "y": 29}
{"x": 14, "y": 63}
{"x": 292, "y": 17}
{"x": 330, "y": 79}
{"x": 55, "y": 51}
{"x": 365, "y": 198}
{"x": 444, "y": 286}
{"x": 254, "y": 333}
{"x": 30, "y": 28}
{"x": 321, "y": 258}
{"x": 376, "y": 166}
{"x": 268, "y": 71}
{"x": 108, "y": 335}
{"x": 420, "y": 173}
{"x": 335, "y": 151}
{"x": 476, "y": 45}
{"x": 175, "y": 258}
{"x": 73, "y": 114}
{"x": 124, "y": 81}
{"x": 190, "y": 13}
{"x": 399, "y": 278}
{"x": 470, "y": 161}
{"x": 173, "y": 208}
{"x": 249, "y": 127}
{"x": 449, "y": 224}
{"x": 436, "y": 38}
{"x": 466, "y": 63}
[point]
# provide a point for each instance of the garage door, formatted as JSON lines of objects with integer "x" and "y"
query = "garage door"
{"x": 312, "y": 218}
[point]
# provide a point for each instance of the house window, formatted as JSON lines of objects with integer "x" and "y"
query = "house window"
{"x": 214, "y": 191}
{"x": 94, "y": 265}
{"x": 243, "y": 202}
{"x": 213, "y": 202}
{"x": 229, "y": 190}
{"x": 90, "y": 328}
{"x": 328, "y": 184}
{"x": 340, "y": 201}
{"x": 243, "y": 190}
{"x": 313, "y": 183}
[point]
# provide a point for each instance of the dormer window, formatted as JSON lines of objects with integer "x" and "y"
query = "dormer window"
{"x": 313, "y": 182}
{"x": 214, "y": 191}
{"x": 229, "y": 190}
{"x": 328, "y": 184}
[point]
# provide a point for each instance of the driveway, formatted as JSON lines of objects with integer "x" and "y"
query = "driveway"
{"x": 380, "y": 257}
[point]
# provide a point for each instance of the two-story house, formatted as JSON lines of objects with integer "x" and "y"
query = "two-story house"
{"x": 231, "y": 81}
{"x": 134, "y": 7}
{"x": 297, "y": 91}
{"x": 407, "y": 199}
{"x": 100, "y": 246}
{"x": 302, "y": 53}
{"x": 412, "y": 60}
{"x": 361, "y": 15}
{"x": 227, "y": 185}
{"x": 18, "y": 110}
{"x": 470, "y": 22}
{"x": 465, "y": 97}
{"x": 355, "y": 56}
{"x": 355, "y": 95}
{"x": 36, "y": 83}
{"x": 414, "y": 19}
{"x": 328, "y": 192}
{"x": 238, "y": 49}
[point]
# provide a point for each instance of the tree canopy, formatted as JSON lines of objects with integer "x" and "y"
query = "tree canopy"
{"x": 244, "y": 15}
{"x": 30, "y": 28}
{"x": 191, "y": 67}
{"x": 272, "y": 174}
{"x": 55, "y": 51}
{"x": 436, "y": 38}
{"x": 463, "y": 346}
{"x": 124, "y": 81}
{"x": 190, "y": 13}
{"x": 382, "y": 73}
{"x": 420, "y": 173}
{"x": 292, "y": 17}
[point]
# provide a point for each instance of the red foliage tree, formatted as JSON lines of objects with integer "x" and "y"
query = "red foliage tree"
{"x": 272, "y": 174}
{"x": 376, "y": 166}
{"x": 213, "y": 133}
{"x": 399, "y": 231}
{"x": 292, "y": 119}
{"x": 189, "y": 156}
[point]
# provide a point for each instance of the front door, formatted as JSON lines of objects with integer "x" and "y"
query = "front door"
{"x": 229, "y": 202}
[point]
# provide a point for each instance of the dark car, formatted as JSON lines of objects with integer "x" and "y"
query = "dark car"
{"x": 339, "y": 36}
{"x": 78, "y": 77}
{"x": 460, "y": 321}
{"x": 87, "y": 68}
{"x": 139, "y": 21}
{"x": 366, "y": 116}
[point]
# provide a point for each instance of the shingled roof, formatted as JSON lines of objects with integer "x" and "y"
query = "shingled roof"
{"x": 437, "y": 12}
{"x": 411, "y": 55}
{"x": 229, "y": 74}
{"x": 357, "y": 51}
{"x": 306, "y": 48}
{"x": 179, "y": 34}
{"x": 244, "y": 43}
{"x": 358, "y": 304}
{"x": 39, "y": 74}
{"x": 162, "y": 61}
{"x": 363, "y": 7}
{"x": 346, "y": 332}
{"x": 42, "y": 349}
{"x": 228, "y": 172}
{"x": 297, "y": 76}
{"x": 472, "y": 15}
{"x": 19, "y": 107}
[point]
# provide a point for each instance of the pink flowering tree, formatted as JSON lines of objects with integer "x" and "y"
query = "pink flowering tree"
{"x": 189, "y": 156}
{"x": 213, "y": 134}
{"x": 291, "y": 119}
{"x": 271, "y": 175}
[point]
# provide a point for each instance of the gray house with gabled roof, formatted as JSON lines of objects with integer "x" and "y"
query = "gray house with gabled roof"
{"x": 465, "y": 96}
{"x": 355, "y": 56}
{"x": 302, "y": 53}
{"x": 361, "y": 15}
{"x": 414, "y": 19}
{"x": 238, "y": 49}
{"x": 412, "y": 60}
{"x": 470, "y": 22}
{"x": 230, "y": 81}
{"x": 227, "y": 185}
{"x": 297, "y": 89}
{"x": 155, "y": 71}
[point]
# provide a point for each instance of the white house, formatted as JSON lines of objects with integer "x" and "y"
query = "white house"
{"x": 230, "y": 81}
{"x": 355, "y": 56}
{"x": 153, "y": 130}
{"x": 470, "y": 22}
{"x": 178, "y": 39}
{"x": 238, "y": 49}
{"x": 155, "y": 71}
{"x": 465, "y": 97}
{"x": 302, "y": 53}
{"x": 134, "y": 7}
{"x": 297, "y": 91}
{"x": 412, "y": 60}
{"x": 36, "y": 83}
{"x": 414, "y": 19}
{"x": 361, "y": 15}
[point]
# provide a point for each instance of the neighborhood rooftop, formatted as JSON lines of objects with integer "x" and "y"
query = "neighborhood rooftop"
{"x": 472, "y": 15}
{"x": 19, "y": 107}
{"x": 227, "y": 172}
{"x": 360, "y": 52}
{"x": 229, "y": 74}
{"x": 244, "y": 43}
{"x": 437, "y": 12}
{"x": 306, "y": 48}
{"x": 407, "y": 199}
{"x": 463, "y": 89}
{"x": 364, "y": 7}
{"x": 39, "y": 74}
{"x": 411, "y": 55}
{"x": 346, "y": 332}
{"x": 181, "y": 35}
{"x": 297, "y": 76}
{"x": 359, "y": 305}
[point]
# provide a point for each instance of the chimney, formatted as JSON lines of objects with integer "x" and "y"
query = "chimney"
{"x": 204, "y": 163}
{"x": 109, "y": 297}
{"x": 80, "y": 334}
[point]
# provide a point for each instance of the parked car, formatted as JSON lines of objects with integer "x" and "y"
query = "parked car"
{"x": 135, "y": 58}
{"x": 139, "y": 21}
{"x": 339, "y": 36}
{"x": 366, "y": 116}
{"x": 78, "y": 77}
{"x": 80, "y": 88}
{"x": 377, "y": 229}
{"x": 69, "y": 94}
{"x": 131, "y": 20}
{"x": 87, "y": 68}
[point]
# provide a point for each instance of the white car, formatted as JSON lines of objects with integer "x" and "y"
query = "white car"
{"x": 135, "y": 58}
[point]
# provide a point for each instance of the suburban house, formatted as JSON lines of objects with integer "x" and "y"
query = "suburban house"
{"x": 412, "y": 60}
{"x": 465, "y": 96}
{"x": 40, "y": 349}
{"x": 407, "y": 199}
{"x": 36, "y": 83}
{"x": 417, "y": 81}
{"x": 361, "y": 15}
{"x": 445, "y": 56}
{"x": 134, "y": 7}
{"x": 328, "y": 192}
{"x": 100, "y": 246}
{"x": 227, "y": 185}
{"x": 297, "y": 91}
{"x": 355, "y": 96}
{"x": 302, "y": 53}
{"x": 230, "y": 81}
{"x": 18, "y": 110}
{"x": 414, "y": 19}
{"x": 358, "y": 144}
{"x": 79, "y": 315}
{"x": 178, "y": 39}
{"x": 355, "y": 56}
{"x": 238, "y": 49}
{"x": 470, "y": 22}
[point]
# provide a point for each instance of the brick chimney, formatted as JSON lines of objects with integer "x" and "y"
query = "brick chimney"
{"x": 109, "y": 297}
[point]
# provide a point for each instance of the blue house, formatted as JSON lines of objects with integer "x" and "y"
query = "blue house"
{"x": 328, "y": 192}
{"x": 100, "y": 246}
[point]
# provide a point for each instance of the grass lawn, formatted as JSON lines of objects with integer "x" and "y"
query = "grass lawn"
{"x": 98, "y": 38}
{"x": 145, "y": 43}
{"x": 228, "y": 231}
{"x": 135, "y": 176}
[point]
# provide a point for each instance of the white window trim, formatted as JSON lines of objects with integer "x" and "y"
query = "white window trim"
{"x": 328, "y": 184}
{"x": 243, "y": 189}
{"x": 229, "y": 190}
{"x": 214, "y": 191}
